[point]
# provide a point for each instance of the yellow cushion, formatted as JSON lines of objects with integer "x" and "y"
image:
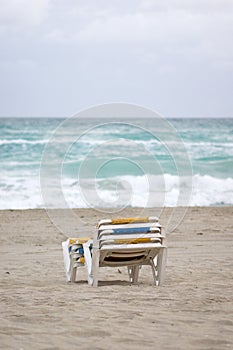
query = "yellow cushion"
{"x": 129, "y": 220}
{"x": 79, "y": 240}
{"x": 132, "y": 241}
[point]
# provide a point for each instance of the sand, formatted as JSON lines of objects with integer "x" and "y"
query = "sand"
{"x": 192, "y": 310}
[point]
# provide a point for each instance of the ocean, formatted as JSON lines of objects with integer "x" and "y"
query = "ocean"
{"x": 110, "y": 164}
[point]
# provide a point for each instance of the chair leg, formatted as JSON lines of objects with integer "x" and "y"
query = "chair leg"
{"x": 73, "y": 273}
{"x": 154, "y": 270}
{"x": 161, "y": 263}
{"x": 88, "y": 261}
{"x": 133, "y": 273}
{"x": 130, "y": 272}
{"x": 95, "y": 266}
{"x": 67, "y": 260}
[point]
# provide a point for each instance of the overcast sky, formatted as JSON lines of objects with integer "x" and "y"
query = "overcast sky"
{"x": 60, "y": 56}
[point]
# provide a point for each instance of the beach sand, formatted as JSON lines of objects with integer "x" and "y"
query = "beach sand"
{"x": 192, "y": 310}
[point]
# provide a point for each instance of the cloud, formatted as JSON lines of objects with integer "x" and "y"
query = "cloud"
{"x": 197, "y": 28}
{"x": 137, "y": 50}
{"x": 191, "y": 32}
{"x": 193, "y": 28}
{"x": 23, "y": 13}
{"x": 194, "y": 6}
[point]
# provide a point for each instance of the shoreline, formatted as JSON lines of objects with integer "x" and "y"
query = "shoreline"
{"x": 192, "y": 310}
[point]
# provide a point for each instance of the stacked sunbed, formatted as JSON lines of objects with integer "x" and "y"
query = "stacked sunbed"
{"x": 73, "y": 256}
{"x": 130, "y": 242}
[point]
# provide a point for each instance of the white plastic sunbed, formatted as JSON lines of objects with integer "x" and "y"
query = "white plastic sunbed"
{"x": 130, "y": 242}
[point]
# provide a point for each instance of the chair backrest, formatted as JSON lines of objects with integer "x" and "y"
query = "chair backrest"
{"x": 127, "y": 241}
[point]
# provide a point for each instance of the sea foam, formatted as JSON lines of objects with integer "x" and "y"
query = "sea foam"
{"x": 131, "y": 191}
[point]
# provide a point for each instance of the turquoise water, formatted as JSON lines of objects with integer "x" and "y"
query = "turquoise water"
{"x": 115, "y": 156}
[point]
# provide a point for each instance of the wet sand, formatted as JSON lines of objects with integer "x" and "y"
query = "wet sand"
{"x": 192, "y": 310}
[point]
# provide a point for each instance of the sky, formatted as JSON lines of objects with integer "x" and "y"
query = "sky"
{"x": 60, "y": 56}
